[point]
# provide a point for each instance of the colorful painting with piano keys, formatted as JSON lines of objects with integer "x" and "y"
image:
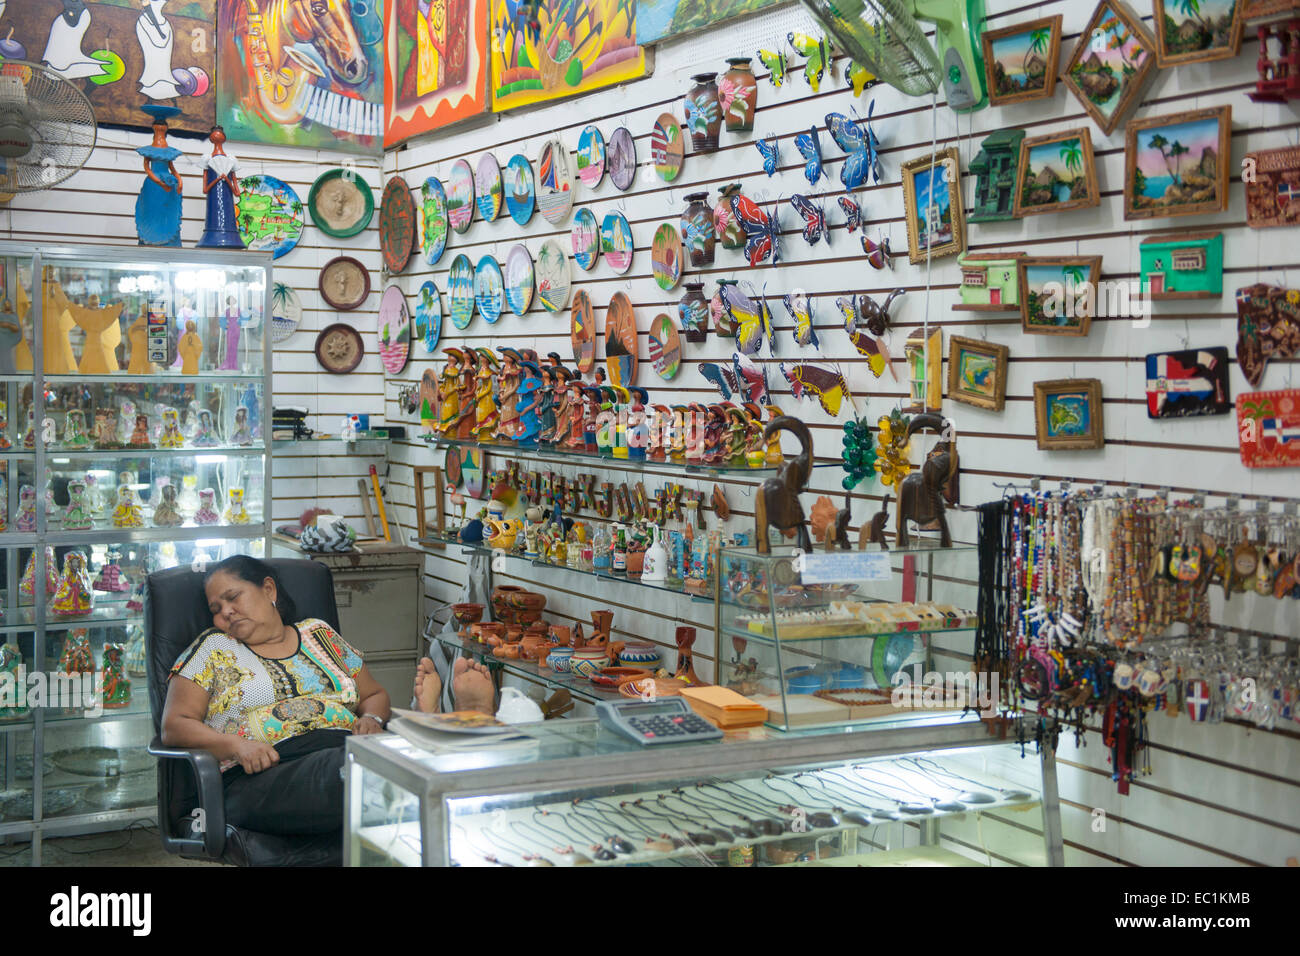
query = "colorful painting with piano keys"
{"x": 302, "y": 74}
{"x": 435, "y": 65}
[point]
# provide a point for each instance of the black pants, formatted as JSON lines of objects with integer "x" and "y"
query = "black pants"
{"x": 302, "y": 794}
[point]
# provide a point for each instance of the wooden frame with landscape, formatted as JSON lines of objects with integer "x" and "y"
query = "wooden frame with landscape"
{"x": 1068, "y": 414}
{"x": 1078, "y": 277}
{"x": 1194, "y": 31}
{"x": 1020, "y": 61}
{"x": 1045, "y": 161}
{"x": 977, "y": 372}
{"x": 1152, "y": 142}
{"x": 1111, "y": 64}
{"x": 929, "y": 181}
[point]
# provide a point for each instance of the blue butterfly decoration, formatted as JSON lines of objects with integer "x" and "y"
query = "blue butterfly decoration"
{"x": 852, "y": 214}
{"x": 861, "y": 146}
{"x": 770, "y": 153}
{"x": 811, "y": 147}
{"x": 723, "y": 378}
{"x": 814, "y": 219}
{"x": 762, "y": 232}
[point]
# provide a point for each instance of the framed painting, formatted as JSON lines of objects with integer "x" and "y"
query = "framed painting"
{"x": 1056, "y": 173}
{"x": 977, "y": 372}
{"x": 1194, "y": 31}
{"x": 1111, "y": 64}
{"x": 936, "y": 224}
{"x": 1020, "y": 61}
{"x": 123, "y": 54}
{"x": 424, "y": 522}
{"x": 1058, "y": 294}
{"x": 1068, "y": 414}
{"x": 1177, "y": 165}
{"x": 659, "y": 19}
{"x": 435, "y": 65}
{"x": 565, "y": 47}
{"x": 305, "y": 74}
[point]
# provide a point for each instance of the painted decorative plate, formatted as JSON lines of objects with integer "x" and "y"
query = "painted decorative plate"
{"x": 665, "y": 346}
{"x": 451, "y": 466}
{"x": 552, "y": 271}
{"x": 489, "y": 289}
{"x": 429, "y": 399}
{"x": 520, "y": 191}
{"x": 582, "y": 331}
{"x": 666, "y": 256}
{"x": 521, "y": 281}
{"x": 434, "y": 201}
{"x": 428, "y": 316}
{"x": 472, "y": 471}
{"x": 286, "y": 311}
{"x": 616, "y": 242}
{"x": 270, "y": 215}
{"x": 585, "y": 237}
{"x": 339, "y": 348}
{"x": 341, "y": 203}
{"x": 620, "y": 341}
{"x": 397, "y": 224}
{"x": 590, "y": 159}
{"x": 460, "y": 291}
{"x": 460, "y": 196}
{"x": 667, "y": 149}
{"x": 622, "y": 158}
{"x": 554, "y": 182}
{"x": 344, "y": 283}
{"x": 394, "y": 330}
{"x": 487, "y": 187}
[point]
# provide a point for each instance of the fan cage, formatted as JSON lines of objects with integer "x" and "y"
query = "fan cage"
{"x": 884, "y": 37}
{"x": 56, "y": 115}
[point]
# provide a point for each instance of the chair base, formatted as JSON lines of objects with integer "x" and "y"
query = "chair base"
{"x": 251, "y": 848}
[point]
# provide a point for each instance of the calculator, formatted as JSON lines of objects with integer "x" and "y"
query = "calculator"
{"x": 668, "y": 720}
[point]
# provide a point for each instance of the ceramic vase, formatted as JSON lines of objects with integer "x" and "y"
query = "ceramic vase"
{"x": 588, "y": 661}
{"x": 739, "y": 95}
{"x": 697, "y": 229}
{"x": 693, "y": 312}
{"x": 726, "y": 227}
{"x": 558, "y": 659}
{"x": 703, "y": 112}
{"x": 639, "y": 654}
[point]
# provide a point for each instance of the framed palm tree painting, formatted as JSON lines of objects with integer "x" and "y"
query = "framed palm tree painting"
{"x": 1177, "y": 165}
{"x": 1058, "y": 294}
{"x": 1193, "y": 31}
{"x": 1020, "y": 61}
{"x": 1112, "y": 63}
{"x": 1056, "y": 173}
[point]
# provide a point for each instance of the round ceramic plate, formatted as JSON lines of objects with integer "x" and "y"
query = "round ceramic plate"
{"x": 554, "y": 182}
{"x": 397, "y": 224}
{"x": 616, "y": 242}
{"x": 552, "y": 271}
{"x": 344, "y": 283}
{"x": 665, "y": 346}
{"x": 622, "y": 158}
{"x": 460, "y": 196}
{"x": 286, "y": 311}
{"x": 521, "y": 194}
{"x": 270, "y": 215}
{"x": 666, "y": 256}
{"x": 489, "y": 289}
{"x": 666, "y": 148}
{"x": 471, "y": 471}
{"x": 394, "y": 330}
{"x": 434, "y": 200}
{"x": 590, "y": 159}
{"x": 521, "y": 281}
{"x": 620, "y": 341}
{"x": 451, "y": 465}
{"x": 487, "y": 187}
{"x": 339, "y": 348}
{"x": 428, "y": 316}
{"x": 341, "y": 203}
{"x": 585, "y": 238}
{"x": 460, "y": 291}
{"x": 582, "y": 331}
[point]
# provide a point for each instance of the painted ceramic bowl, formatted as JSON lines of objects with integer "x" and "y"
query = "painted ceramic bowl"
{"x": 467, "y": 614}
{"x": 558, "y": 659}
{"x": 612, "y": 677}
{"x": 648, "y": 688}
{"x": 849, "y": 677}
{"x": 588, "y": 660}
{"x": 639, "y": 654}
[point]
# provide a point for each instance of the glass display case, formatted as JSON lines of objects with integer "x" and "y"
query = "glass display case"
{"x": 575, "y": 792}
{"x": 135, "y": 383}
{"x": 845, "y": 637}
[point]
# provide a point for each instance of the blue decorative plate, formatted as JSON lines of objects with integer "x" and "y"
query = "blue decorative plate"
{"x": 520, "y": 190}
{"x": 585, "y": 237}
{"x": 433, "y": 203}
{"x": 489, "y": 288}
{"x": 428, "y": 316}
{"x": 460, "y": 291}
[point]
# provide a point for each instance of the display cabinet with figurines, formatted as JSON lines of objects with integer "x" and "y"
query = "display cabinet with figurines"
{"x": 133, "y": 391}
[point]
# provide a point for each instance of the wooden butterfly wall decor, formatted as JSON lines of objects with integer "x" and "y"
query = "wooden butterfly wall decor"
{"x": 744, "y": 377}
{"x": 762, "y": 231}
{"x": 816, "y": 52}
{"x": 776, "y": 65}
{"x": 814, "y": 219}
{"x": 751, "y": 317}
{"x": 862, "y": 149}
{"x": 767, "y": 146}
{"x": 827, "y": 384}
{"x": 809, "y": 145}
{"x": 800, "y": 307}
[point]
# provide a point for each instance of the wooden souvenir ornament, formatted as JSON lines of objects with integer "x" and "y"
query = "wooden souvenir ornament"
{"x": 1196, "y": 32}
{"x": 1268, "y": 428}
{"x": 394, "y": 330}
{"x": 990, "y": 282}
{"x": 1055, "y": 173}
{"x": 924, "y": 355}
{"x": 1058, "y": 294}
{"x": 1182, "y": 265}
{"x": 344, "y": 283}
{"x": 1278, "y": 73}
{"x": 977, "y": 372}
{"x": 1268, "y": 326}
{"x": 396, "y": 224}
{"x": 994, "y": 167}
{"x": 1020, "y": 61}
{"x": 1177, "y": 165}
{"x": 620, "y": 341}
{"x": 932, "y": 201}
{"x": 777, "y": 503}
{"x": 1271, "y": 178}
{"x": 1112, "y": 63}
{"x": 1068, "y": 414}
{"x": 921, "y": 493}
{"x": 582, "y": 331}
{"x": 1187, "y": 383}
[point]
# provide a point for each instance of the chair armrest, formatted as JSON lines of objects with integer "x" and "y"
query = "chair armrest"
{"x": 211, "y": 841}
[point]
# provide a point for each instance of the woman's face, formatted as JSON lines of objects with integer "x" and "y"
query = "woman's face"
{"x": 240, "y": 608}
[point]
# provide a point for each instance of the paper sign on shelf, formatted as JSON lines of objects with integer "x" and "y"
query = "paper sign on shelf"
{"x": 843, "y": 566}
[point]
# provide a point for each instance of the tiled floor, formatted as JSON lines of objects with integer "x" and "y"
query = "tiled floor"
{"x": 138, "y": 846}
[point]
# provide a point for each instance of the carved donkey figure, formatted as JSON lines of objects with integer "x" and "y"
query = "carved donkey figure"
{"x": 777, "y": 502}
{"x": 920, "y": 496}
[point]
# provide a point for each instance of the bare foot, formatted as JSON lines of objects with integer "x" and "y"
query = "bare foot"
{"x": 471, "y": 686}
{"x": 428, "y": 687}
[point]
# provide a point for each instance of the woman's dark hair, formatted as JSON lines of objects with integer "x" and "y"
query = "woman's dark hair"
{"x": 255, "y": 571}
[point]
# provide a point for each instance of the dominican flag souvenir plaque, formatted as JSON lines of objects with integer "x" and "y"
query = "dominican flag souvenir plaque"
{"x": 1198, "y": 699}
{"x": 1268, "y": 427}
{"x": 1188, "y": 382}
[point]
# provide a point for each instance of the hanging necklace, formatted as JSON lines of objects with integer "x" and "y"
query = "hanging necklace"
{"x": 775, "y": 822}
{"x": 818, "y": 819}
{"x": 525, "y": 853}
{"x": 487, "y": 857}
{"x": 973, "y": 796}
{"x": 948, "y": 806}
{"x": 654, "y": 842}
{"x": 706, "y": 837}
{"x": 731, "y": 830}
{"x": 763, "y": 825}
{"x": 877, "y": 814}
{"x": 566, "y": 852}
{"x": 598, "y": 851}
{"x": 904, "y": 806}
{"x": 616, "y": 842}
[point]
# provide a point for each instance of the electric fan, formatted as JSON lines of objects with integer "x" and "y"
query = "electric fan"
{"x": 47, "y": 128}
{"x": 885, "y": 38}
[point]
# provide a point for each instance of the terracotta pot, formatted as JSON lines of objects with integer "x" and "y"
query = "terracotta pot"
{"x": 543, "y": 652}
{"x": 639, "y": 654}
{"x": 514, "y": 634}
{"x": 588, "y": 661}
{"x": 693, "y": 312}
{"x": 601, "y": 621}
{"x": 506, "y": 651}
{"x": 529, "y": 646}
{"x": 635, "y": 562}
{"x": 501, "y": 609}
{"x": 491, "y": 631}
{"x": 740, "y": 95}
{"x": 561, "y": 634}
{"x": 703, "y": 112}
{"x": 611, "y": 677}
{"x": 467, "y": 614}
{"x": 697, "y": 229}
{"x": 726, "y": 227}
{"x": 526, "y": 606}
{"x": 558, "y": 659}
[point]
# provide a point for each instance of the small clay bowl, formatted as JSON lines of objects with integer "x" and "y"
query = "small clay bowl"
{"x": 467, "y": 614}
{"x": 662, "y": 687}
{"x": 612, "y": 677}
{"x": 506, "y": 651}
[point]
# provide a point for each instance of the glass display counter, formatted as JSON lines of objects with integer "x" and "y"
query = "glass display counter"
{"x": 575, "y": 792}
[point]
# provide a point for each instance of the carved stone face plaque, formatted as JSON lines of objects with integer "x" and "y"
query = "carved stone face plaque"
{"x": 344, "y": 283}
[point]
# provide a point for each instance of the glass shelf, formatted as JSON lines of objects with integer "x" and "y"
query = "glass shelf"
{"x": 138, "y": 707}
{"x": 361, "y": 446}
{"x": 106, "y": 614}
{"x": 768, "y": 639}
{"x": 110, "y": 535}
{"x": 232, "y": 451}
{"x": 578, "y": 687}
{"x": 165, "y": 378}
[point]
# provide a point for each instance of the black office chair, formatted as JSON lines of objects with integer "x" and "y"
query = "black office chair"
{"x": 175, "y": 613}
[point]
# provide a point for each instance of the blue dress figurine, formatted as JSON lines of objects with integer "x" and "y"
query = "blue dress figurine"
{"x": 158, "y": 208}
{"x": 221, "y": 186}
{"x": 526, "y": 404}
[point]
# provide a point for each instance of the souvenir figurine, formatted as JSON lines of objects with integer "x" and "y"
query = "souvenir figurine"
{"x": 508, "y": 394}
{"x": 590, "y": 413}
{"x": 29, "y": 437}
{"x": 167, "y": 515}
{"x": 25, "y": 519}
{"x": 243, "y": 435}
{"x": 467, "y": 399}
{"x": 140, "y": 435}
{"x": 11, "y": 659}
{"x": 188, "y": 501}
{"x": 167, "y": 556}
{"x": 171, "y": 436}
{"x": 638, "y": 427}
{"x": 190, "y": 349}
{"x": 117, "y": 686}
{"x": 110, "y": 576}
{"x": 5, "y": 443}
{"x": 774, "y": 454}
{"x": 78, "y": 515}
{"x": 207, "y": 513}
{"x": 74, "y": 430}
{"x": 574, "y": 438}
{"x": 449, "y": 393}
{"x": 221, "y": 186}
{"x": 231, "y": 324}
{"x": 27, "y": 586}
{"x": 546, "y": 405}
{"x": 526, "y": 404}
{"x": 127, "y": 512}
{"x": 715, "y": 435}
{"x": 4, "y": 503}
{"x": 106, "y": 429}
{"x": 75, "y": 595}
{"x": 755, "y": 445}
{"x": 136, "y": 661}
{"x": 618, "y": 433}
{"x": 685, "y": 661}
{"x": 158, "y": 207}
{"x": 560, "y": 433}
{"x": 737, "y": 436}
{"x": 236, "y": 513}
{"x": 485, "y": 409}
{"x": 136, "y": 601}
{"x": 606, "y": 423}
{"x": 677, "y": 443}
{"x": 205, "y": 432}
{"x": 76, "y": 656}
